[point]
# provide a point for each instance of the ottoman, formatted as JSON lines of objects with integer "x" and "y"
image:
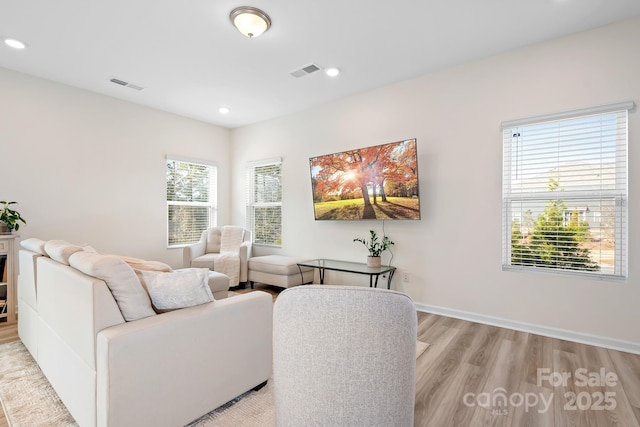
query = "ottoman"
{"x": 278, "y": 270}
{"x": 219, "y": 284}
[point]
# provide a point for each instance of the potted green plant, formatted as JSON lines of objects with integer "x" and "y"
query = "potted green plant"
{"x": 375, "y": 248}
{"x": 10, "y": 219}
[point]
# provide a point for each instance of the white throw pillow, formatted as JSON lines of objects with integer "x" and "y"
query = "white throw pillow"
{"x": 143, "y": 264}
{"x": 61, "y": 250}
{"x": 122, "y": 281}
{"x": 89, "y": 248}
{"x": 178, "y": 289}
{"x": 34, "y": 245}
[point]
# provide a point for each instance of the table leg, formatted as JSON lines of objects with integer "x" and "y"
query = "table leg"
{"x": 377, "y": 277}
{"x": 389, "y": 279}
{"x": 321, "y": 271}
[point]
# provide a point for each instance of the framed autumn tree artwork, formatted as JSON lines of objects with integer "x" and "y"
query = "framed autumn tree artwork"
{"x": 378, "y": 182}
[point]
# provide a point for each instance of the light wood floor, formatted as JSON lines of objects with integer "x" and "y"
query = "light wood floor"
{"x": 468, "y": 359}
{"x": 468, "y": 365}
{"x": 8, "y": 333}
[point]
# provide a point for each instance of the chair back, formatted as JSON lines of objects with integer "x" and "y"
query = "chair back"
{"x": 214, "y": 238}
{"x": 344, "y": 356}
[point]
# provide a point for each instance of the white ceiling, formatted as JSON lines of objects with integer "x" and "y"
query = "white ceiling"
{"x": 191, "y": 60}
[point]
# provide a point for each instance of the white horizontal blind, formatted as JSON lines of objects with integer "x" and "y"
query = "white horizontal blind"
{"x": 565, "y": 192}
{"x": 191, "y": 200}
{"x": 264, "y": 202}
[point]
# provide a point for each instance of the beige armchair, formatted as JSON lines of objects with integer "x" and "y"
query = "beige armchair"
{"x": 203, "y": 254}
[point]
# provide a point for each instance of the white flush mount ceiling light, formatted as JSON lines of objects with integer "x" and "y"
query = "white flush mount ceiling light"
{"x": 14, "y": 43}
{"x": 224, "y": 110}
{"x": 250, "y": 21}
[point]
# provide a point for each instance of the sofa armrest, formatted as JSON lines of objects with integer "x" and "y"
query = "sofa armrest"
{"x": 194, "y": 250}
{"x": 245, "y": 251}
{"x": 172, "y": 368}
{"x": 245, "y": 254}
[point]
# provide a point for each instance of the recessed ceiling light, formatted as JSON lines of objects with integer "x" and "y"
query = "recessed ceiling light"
{"x": 16, "y": 44}
{"x": 224, "y": 110}
{"x": 332, "y": 72}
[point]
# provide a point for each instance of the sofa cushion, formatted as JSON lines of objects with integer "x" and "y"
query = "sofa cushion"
{"x": 133, "y": 301}
{"x": 61, "y": 250}
{"x": 142, "y": 264}
{"x": 34, "y": 245}
{"x": 205, "y": 261}
{"x": 178, "y": 289}
{"x": 218, "y": 282}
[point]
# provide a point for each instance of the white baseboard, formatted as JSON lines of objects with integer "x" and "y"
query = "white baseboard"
{"x": 579, "y": 337}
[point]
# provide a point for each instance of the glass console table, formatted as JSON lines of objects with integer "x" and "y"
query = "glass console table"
{"x": 350, "y": 267}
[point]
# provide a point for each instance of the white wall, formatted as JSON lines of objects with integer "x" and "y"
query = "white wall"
{"x": 91, "y": 169}
{"x": 453, "y": 255}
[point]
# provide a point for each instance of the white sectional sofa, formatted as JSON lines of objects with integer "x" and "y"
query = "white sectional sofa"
{"x": 115, "y": 362}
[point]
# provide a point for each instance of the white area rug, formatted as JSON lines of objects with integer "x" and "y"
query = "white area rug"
{"x": 252, "y": 409}
{"x": 27, "y": 397}
{"x": 29, "y": 400}
{"x": 255, "y": 409}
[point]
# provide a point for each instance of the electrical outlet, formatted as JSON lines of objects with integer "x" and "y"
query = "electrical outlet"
{"x": 405, "y": 277}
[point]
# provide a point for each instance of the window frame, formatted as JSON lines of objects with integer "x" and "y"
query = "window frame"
{"x": 212, "y": 204}
{"x": 251, "y": 203}
{"x": 618, "y": 196}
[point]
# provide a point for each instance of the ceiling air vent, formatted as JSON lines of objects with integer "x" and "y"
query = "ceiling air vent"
{"x": 307, "y": 69}
{"x": 125, "y": 84}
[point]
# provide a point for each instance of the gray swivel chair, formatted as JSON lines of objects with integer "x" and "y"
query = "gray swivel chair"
{"x": 344, "y": 356}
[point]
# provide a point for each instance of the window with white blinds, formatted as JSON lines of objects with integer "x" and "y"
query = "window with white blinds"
{"x": 264, "y": 202}
{"x": 191, "y": 200}
{"x": 565, "y": 192}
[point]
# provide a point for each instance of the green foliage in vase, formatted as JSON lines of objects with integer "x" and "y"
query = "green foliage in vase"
{"x": 10, "y": 217}
{"x": 373, "y": 245}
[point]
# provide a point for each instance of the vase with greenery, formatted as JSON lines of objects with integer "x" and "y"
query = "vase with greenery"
{"x": 375, "y": 246}
{"x": 10, "y": 219}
